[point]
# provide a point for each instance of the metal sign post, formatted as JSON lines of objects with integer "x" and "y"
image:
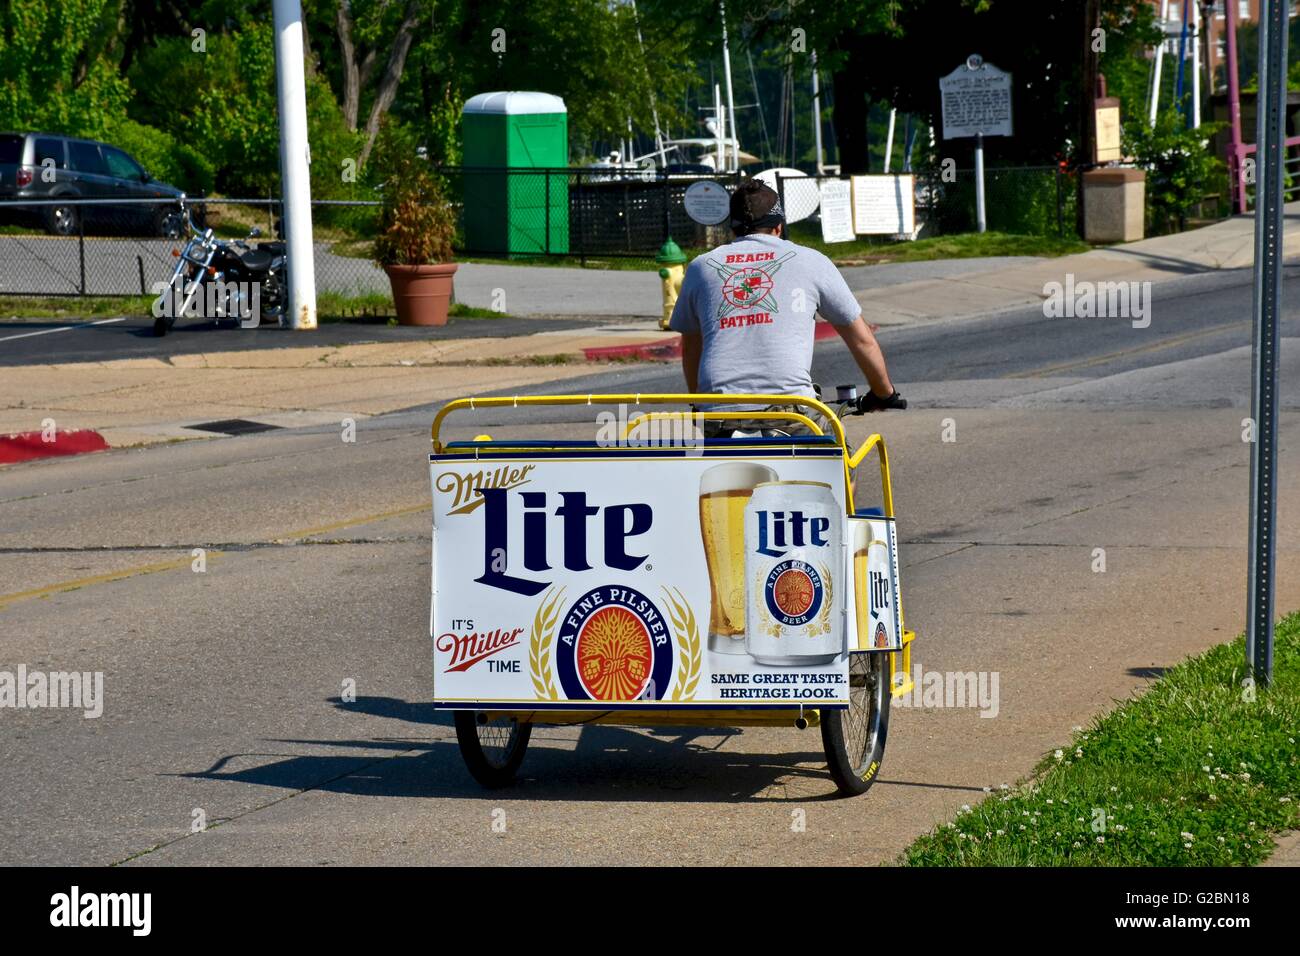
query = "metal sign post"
{"x": 976, "y": 102}
{"x": 1266, "y": 303}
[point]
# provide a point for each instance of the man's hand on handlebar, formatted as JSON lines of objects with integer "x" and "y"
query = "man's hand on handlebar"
{"x": 871, "y": 402}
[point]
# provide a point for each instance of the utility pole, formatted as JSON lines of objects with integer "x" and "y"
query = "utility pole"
{"x": 1266, "y": 305}
{"x": 1087, "y": 99}
{"x": 295, "y": 160}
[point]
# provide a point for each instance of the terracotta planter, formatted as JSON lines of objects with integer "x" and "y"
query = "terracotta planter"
{"x": 422, "y": 294}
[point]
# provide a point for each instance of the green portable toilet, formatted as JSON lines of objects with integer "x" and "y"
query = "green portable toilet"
{"x": 508, "y": 210}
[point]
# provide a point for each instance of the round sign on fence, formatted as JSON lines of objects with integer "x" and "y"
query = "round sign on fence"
{"x": 707, "y": 202}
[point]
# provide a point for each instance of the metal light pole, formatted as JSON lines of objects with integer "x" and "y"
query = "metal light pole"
{"x": 1266, "y": 303}
{"x": 295, "y": 158}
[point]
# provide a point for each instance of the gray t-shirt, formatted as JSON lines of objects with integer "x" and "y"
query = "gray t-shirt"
{"x": 753, "y": 300}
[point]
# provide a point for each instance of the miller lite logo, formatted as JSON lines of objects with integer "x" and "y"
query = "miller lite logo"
{"x": 779, "y": 530}
{"x": 570, "y": 521}
{"x": 793, "y": 592}
{"x": 614, "y": 645}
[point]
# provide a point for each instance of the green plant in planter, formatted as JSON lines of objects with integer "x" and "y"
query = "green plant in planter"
{"x": 416, "y": 223}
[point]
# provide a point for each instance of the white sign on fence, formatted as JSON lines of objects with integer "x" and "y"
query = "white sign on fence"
{"x": 976, "y": 99}
{"x": 837, "y": 210}
{"x": 884, "y": 204}
{"x": 707, "y": 202}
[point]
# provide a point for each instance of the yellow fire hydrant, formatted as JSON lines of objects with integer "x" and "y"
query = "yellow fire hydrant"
{"x": 672, "y": 263}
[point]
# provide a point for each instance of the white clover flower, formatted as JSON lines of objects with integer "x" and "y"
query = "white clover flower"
{"x": 965, "y": 808}
{"x": 1159, "y": 741}
{"x": 1058, "y": 755}
{"x": 1101, "y": 839}
{"x": 1078, "y": 751}
{"x": 1002, "y": 832}
{"x": 1187, "y": 836}
{"x": 1187, "y": 846}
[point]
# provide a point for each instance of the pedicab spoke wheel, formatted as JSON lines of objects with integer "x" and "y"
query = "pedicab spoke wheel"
{"x": 492, "y": 749}
{"x": 854, "y": 738}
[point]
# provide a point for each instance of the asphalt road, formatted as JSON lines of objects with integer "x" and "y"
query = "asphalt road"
{"x": 222, "y": 688}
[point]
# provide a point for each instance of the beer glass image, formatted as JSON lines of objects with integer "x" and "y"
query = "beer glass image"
{"x": 724, "y": 492}
{"x": 793, "y": 571}
{"x": 863, "y": 542}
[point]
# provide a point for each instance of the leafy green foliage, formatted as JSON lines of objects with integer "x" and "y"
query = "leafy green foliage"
{"x": 1180, "y": 167}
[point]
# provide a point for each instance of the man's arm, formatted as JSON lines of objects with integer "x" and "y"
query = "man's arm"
{"x": 692, "y": 346}
{"x": 865, "y": 350}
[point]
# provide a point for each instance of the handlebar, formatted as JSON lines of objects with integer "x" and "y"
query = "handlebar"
{"x": 854, "y": 404}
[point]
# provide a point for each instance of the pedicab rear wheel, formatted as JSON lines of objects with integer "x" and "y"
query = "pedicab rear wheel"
{"x": 854, "y": 738}
{"x": 492, "y": 750}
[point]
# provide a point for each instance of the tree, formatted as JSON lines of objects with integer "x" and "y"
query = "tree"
{"x": 364, "y": 29}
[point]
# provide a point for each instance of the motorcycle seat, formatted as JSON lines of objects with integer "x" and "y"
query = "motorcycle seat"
{"x": 256, "y": 259}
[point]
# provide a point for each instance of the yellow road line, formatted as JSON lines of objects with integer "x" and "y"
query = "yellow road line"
{"x": 1123, "y": 353}
{"x": 339, "y": 525}
{"x": 8, "y": 599}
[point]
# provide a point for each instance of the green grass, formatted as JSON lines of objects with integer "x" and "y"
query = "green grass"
{"x": 72, "y": 308}
{"x": 962, "y": 246}
{"x": 377, "y": 307}
{"x": 1191, "y": 773}
{"x": 861, "y": 251}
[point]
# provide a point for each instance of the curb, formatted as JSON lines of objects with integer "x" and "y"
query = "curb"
{"x": 25, "y": 446}
{"x": 667, "y": 351}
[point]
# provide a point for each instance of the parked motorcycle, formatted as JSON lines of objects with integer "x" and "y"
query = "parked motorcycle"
{"x": 219, "y": 278}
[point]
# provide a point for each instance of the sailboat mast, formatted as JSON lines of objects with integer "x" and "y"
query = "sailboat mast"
{"x": 733, "y": 163}
{"x": 817, "y": 115}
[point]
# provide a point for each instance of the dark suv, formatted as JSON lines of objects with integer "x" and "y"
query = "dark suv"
{"x": 48, "y": 166}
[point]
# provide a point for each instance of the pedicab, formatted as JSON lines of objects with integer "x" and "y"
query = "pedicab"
{"x": 653, "y": 577}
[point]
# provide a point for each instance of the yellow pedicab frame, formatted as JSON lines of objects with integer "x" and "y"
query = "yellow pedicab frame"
{"x": 900, "y": 662}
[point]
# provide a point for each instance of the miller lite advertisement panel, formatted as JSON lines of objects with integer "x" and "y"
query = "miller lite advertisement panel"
{"x": 626, "y": 581}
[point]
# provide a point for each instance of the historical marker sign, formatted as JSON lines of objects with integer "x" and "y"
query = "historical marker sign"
{"x": 976, "y": 100}
{"x": 707, "y": 202}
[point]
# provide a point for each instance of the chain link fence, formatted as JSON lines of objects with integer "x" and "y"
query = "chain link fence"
{"x": 580, "y": 216}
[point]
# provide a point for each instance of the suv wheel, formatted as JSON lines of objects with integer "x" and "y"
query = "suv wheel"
{"x": 61, "y": 220}
{"x": 169, "y": 223}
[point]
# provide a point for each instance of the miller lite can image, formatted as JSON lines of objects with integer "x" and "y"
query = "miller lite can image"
{"x": 724, "y": 493}
{"x": 792, "y": 558}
